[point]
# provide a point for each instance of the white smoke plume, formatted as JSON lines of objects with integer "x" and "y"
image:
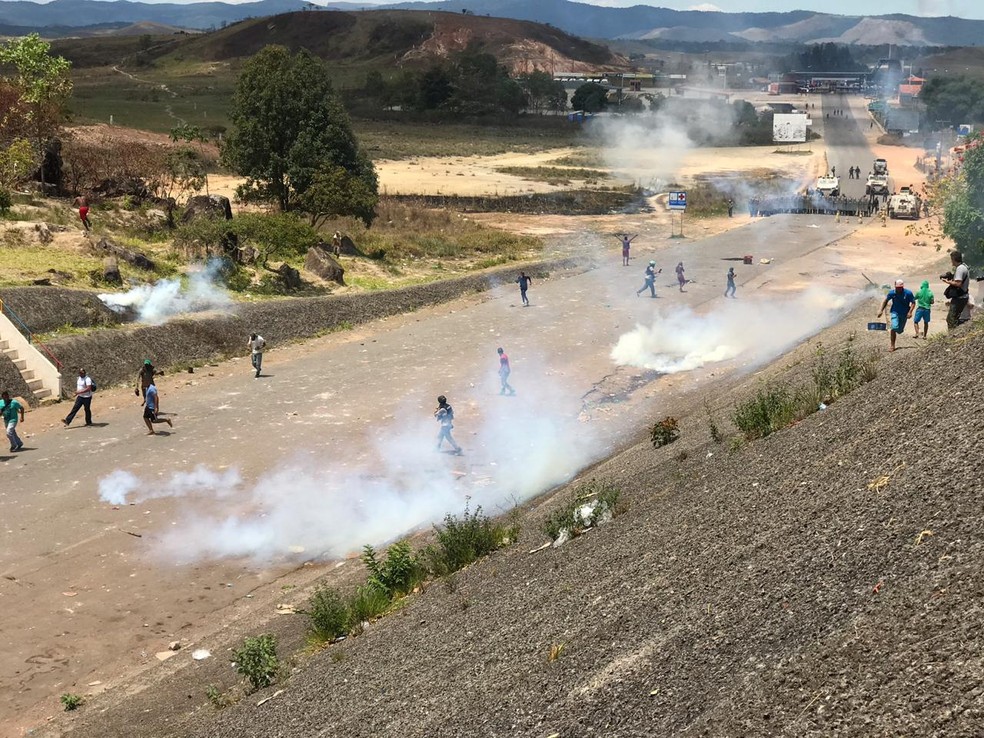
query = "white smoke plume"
{"x": 752, "y": 329}
{"x": 312, "y": 507}
{"x": 158, "y": 302}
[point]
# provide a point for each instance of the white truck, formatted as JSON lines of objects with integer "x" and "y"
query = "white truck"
{"x": 880, "y": 167}
{"x": 877, "y": 184}
{"x": 829, "y": 186}
{"x": 905, "y": 204}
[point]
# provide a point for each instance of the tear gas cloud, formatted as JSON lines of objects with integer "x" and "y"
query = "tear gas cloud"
{"x": 753, "y": 329}
{"x": 324, "y": 509}
{"x": 166, "y": 298}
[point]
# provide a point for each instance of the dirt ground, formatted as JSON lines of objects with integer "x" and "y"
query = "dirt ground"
{"x": 99, "y": 641}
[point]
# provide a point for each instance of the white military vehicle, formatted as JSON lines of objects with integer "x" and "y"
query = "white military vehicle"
{"x": 905, "y": 204}
{"x": 877, "y": 184}
{"x": 880, "y": 167}
{"x": 829, "y": 185}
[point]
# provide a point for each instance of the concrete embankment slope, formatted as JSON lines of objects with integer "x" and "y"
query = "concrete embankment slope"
{"x": 114, "y": 355}
{"x": 826, "y": 581}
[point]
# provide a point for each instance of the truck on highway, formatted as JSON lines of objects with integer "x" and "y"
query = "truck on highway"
{"x": 905, "y": 204}
{"x": 828, "y": 186}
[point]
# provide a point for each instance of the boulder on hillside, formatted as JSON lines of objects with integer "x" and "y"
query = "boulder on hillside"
{"x": 111, "y": 271}
{"x": 43, "y": 232}
{"x": 290, "y": 277}
{"x": 320, "y": 261}
{"x": 132, "y": 187}
{"x": 211, "y": 206}
{"x": 141, "y": 261}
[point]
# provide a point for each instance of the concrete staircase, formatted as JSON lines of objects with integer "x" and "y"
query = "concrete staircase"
{"x": 34, "y": 384}
{"x": 40, "y": 374}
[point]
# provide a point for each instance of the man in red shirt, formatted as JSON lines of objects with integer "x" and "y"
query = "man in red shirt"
{"x": 504, "y": 372}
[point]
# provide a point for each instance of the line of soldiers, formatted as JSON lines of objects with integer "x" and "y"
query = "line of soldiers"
{"x": 813, "y": 203}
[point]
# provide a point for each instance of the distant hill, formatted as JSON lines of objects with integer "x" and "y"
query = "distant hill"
{"x": 580, "y": 19}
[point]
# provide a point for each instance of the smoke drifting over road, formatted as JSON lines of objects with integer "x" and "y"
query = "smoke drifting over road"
{"x": 158, "y": 302}
{"x": 754, "y": 330}
{"x": 312, "y": 507}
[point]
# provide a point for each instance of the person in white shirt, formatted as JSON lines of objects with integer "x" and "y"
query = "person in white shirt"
{"x": 256, "y": 344}
{"x": 83, "y": 399}
{"x": 958, "y": 291}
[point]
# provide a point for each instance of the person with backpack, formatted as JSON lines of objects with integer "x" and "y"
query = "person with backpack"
{"x": 445, "y": 416}
{"x": 84, "y": 387}
{"x": 958, "y": 289}
{"x": 256, "y": 345}
{"x": 10, "y": 411}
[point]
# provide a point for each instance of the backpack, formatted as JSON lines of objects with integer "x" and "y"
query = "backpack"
{"x": 92, "y": 384}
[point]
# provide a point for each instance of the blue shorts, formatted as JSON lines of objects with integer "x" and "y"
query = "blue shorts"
{"x": 898, "y": 322}
{"x": 922, "y": 314}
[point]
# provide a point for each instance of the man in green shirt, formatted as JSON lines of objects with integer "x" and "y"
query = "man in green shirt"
{"x": 10, "y": 410}
{"x": 924, "y": 307}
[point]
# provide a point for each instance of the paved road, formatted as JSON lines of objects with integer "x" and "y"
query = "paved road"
{"x": 845, "y": 141}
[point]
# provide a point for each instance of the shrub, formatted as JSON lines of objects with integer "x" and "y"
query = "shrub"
{"x": 72, "y": 701}
{"x": 6, "y": 201}
{"x": 466, "y": 539}
{"x": 589, "y": 505}
{"x": 257, "y": 660}
{"x": 664, "y": 432}
{"x": 368, "y": 603}
{"x": 398, "y": 573}
{"x": 329, "y": 613}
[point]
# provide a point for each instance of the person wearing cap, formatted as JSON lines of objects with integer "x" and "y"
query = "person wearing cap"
{"x": 145, "y": 378}
{"x": 83, "y": 399}
{"x": 650, "y": 283}
{"x": 903, "y": 305}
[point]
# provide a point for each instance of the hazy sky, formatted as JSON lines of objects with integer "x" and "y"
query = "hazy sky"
{"x": 959, "y": 8}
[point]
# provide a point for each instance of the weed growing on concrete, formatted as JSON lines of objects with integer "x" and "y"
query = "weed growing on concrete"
{"x": 665, "y": 432}
{"x": 72, "y": 701}
{"x": 773, "y": 407}
{"x": 464, "y": 540}
{"x": 716, "y": 434}
{"x": 257, "y": 660}
{"x": 216, "y": 697}
{"x": 398, "y": 573}
{"x": 589, "y": 505}
{"x": 556, "y": 650}
{"x": 329, "y": 613}
{"x": 367, "y": 604}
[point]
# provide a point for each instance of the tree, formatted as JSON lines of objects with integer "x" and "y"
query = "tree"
{"x": 543, "y": 92}
{"x": 335, "y": 192}
{"x": 963, "y": 203}
{"x": 17, "y": 161}
{"x": 590, "y": 97}
{"x": 44, "y": 86}
{"x": 953, "y": 100}
{"x": 179, "y": 171}
{"x": 288, "y": 125}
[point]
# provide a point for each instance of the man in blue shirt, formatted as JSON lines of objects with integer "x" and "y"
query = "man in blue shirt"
{"x": 151, "y": 409}
{"x": 903, "y": 305}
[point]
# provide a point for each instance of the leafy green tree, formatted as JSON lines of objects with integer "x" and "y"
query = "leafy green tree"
{"x": 953, "y": 100}
{"x": 962, "y": 198}
{"x": 433, "y": 89}
{"x": 43, "y": 85}
{"x": 543, "y": 92}
{"x": 590, "y": 97}
{"x": 17, "y": 161}
{"x": 288, "y": 125}
{"x": 335, "y": 192}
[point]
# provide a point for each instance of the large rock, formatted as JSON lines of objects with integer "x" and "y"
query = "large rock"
{"x": 111, "y": 271}
{"x": 132, "y": 187}
{"x": 290, "y": 277}
{"x": 209, "y": 206}
{"x": 320, "y": 261}
{"x": 128, "y": 255}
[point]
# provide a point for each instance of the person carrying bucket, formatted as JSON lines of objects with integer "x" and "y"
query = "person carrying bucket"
{"x": 903, "y": 305}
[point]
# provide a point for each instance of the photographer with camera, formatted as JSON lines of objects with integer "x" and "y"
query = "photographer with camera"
{"x": 958, "y": 289}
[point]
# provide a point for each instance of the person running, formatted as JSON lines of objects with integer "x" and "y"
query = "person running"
{"x": 731, "y": 283}
{"x": 524, "y": 283}
{"x": 731, "y": 208}
{"x": 256, "y": 345}
{"x": 903, "y": 304}
{"x": 504, "y": 372}
{"x": 626, "y": 245}
{"x": 145, "y": 378}
{"x": 152, "y": 409}
{"x": 10, "y": 411}
{"x": 681, "y": 278}
{"x": 83, "y": 399}
{"x": 82, "y": 203}
{"x": 445, "y": 416}
{"x": 924, "y": 306}
{"x": 650, "y": 280}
